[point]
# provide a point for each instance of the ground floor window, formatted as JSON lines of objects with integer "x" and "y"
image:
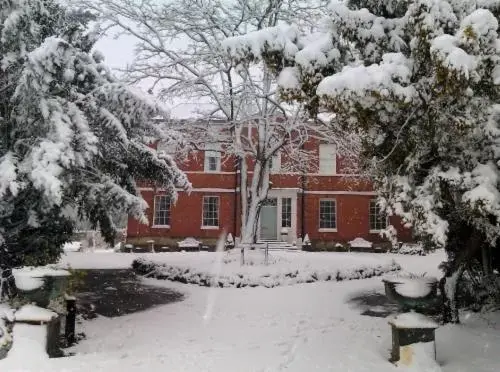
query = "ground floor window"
{"x": 161, "y": 210}
{"x": 286, "y": 212}
{"x": 378, "y": 221}
{"x": 327, "y": 214}
{"x": 210, "y": 211}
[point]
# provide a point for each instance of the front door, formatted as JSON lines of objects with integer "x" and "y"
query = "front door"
{"x": 269, "y": 220}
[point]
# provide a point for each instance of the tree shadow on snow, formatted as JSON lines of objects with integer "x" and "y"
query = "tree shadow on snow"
{"x": 114, "y": 293}
{"x": 373, "y": 304}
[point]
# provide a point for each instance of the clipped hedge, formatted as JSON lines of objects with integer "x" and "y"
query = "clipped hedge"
{"x": 269, "y": 280}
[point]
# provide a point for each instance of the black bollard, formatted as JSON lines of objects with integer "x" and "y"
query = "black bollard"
{"x": 69, "y": 329}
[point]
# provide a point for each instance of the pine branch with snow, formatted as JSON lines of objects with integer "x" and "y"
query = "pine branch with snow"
{"x": 72, "y": 136}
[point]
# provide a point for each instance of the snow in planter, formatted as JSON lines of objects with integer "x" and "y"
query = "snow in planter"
{"x": 31, "y": 278}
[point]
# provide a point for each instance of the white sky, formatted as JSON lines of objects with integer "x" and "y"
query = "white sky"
{"x": 120, "y": 51}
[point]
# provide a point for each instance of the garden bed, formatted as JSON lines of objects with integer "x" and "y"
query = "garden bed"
{"x": 223, "y": 269}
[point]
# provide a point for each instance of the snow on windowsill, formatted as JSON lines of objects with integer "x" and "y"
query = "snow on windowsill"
{"x": 327, "y": 230}
{"x": 323, "y": 174}
{"x": 210, "y": 227}
{"x": 160, "y": 227}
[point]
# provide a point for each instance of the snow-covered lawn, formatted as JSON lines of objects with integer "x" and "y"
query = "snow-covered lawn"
{"x": 223, "y": 269}
{"x": 305, "y": 327}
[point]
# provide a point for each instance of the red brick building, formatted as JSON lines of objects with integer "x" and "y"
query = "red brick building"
{"x": 327, "y": 204}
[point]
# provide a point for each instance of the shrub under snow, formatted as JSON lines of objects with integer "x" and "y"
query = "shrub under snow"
{"x": 223, "y": 270}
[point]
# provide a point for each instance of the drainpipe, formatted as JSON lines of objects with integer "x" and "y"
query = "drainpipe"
{"x": 303, "y": 202}
{"x": 235, "y": 208}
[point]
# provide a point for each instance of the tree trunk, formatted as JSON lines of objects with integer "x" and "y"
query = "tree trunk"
{"x": 453, "y": 274}
{"x": 8, "y": 288}
{"x": 448, "y": 287}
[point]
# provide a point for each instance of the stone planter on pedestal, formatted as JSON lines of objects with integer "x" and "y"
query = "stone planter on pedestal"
{"x": 31, "y": 316}
{"x": 418, "y": 293}
{"x": 409, "y": 329}
{"x": 41, "y": 285}
{"x": 413, "y": 334}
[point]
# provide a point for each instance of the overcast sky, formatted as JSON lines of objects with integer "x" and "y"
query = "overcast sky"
{"x": 120, "y": 52}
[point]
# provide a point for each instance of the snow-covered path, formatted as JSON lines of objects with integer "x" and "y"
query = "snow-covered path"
{"x": 307, "y": 327}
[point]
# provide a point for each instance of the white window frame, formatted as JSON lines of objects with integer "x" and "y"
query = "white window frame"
{"x": 327, "y": 229}
{"x": 375, "y": 229}
{"x": 290, "y": 211}
{"x": 212, "y": 151}
{"x": 327, "y": 159}
{"x": 203, "y": 225}
{"x": 169, "y": 211}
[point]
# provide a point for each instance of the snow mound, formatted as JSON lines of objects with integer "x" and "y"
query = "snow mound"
{"x": 284, "y": 269}
{"x": 72, "y": 247}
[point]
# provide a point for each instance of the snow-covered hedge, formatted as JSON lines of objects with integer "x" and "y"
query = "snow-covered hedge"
{"x": 411, "y": 249}
{"x": 280, "y": 276}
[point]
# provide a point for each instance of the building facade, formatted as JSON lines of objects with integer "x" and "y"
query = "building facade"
{"x": 328, "y": 204}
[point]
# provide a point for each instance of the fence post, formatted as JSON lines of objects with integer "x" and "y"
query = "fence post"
{"x": 267, "y": 253}
{"x": 69, "y": 327}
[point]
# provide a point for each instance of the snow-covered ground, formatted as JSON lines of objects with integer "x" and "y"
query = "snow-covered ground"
{"x": 305, "y": 327}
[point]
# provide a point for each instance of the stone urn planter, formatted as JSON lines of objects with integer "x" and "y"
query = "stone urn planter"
{"x": 413, "y": 333}
{"x": 413, "y": 293}
{"x": 41, "y": 285}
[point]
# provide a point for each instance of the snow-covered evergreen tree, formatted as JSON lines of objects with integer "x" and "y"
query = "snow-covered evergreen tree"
{"x": 418, "y": 80}
{"x": 71, "y": 136}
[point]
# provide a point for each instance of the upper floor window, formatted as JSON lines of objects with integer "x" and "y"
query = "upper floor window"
{"x": 327, "y": 159}
{"x": 161, "y": 211}
{"x": 210, "y": 211}
{"x": 212, "y": 158}
{"x": 275, "y": 163}
{"x": 378, "y": 220}
{"x": 327, "y": 214}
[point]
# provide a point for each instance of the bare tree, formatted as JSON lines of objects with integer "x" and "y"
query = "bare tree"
{"x": 181, "y": 52}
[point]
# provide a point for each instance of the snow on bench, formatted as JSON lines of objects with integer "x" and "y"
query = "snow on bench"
{"x": 189, "y": 243}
